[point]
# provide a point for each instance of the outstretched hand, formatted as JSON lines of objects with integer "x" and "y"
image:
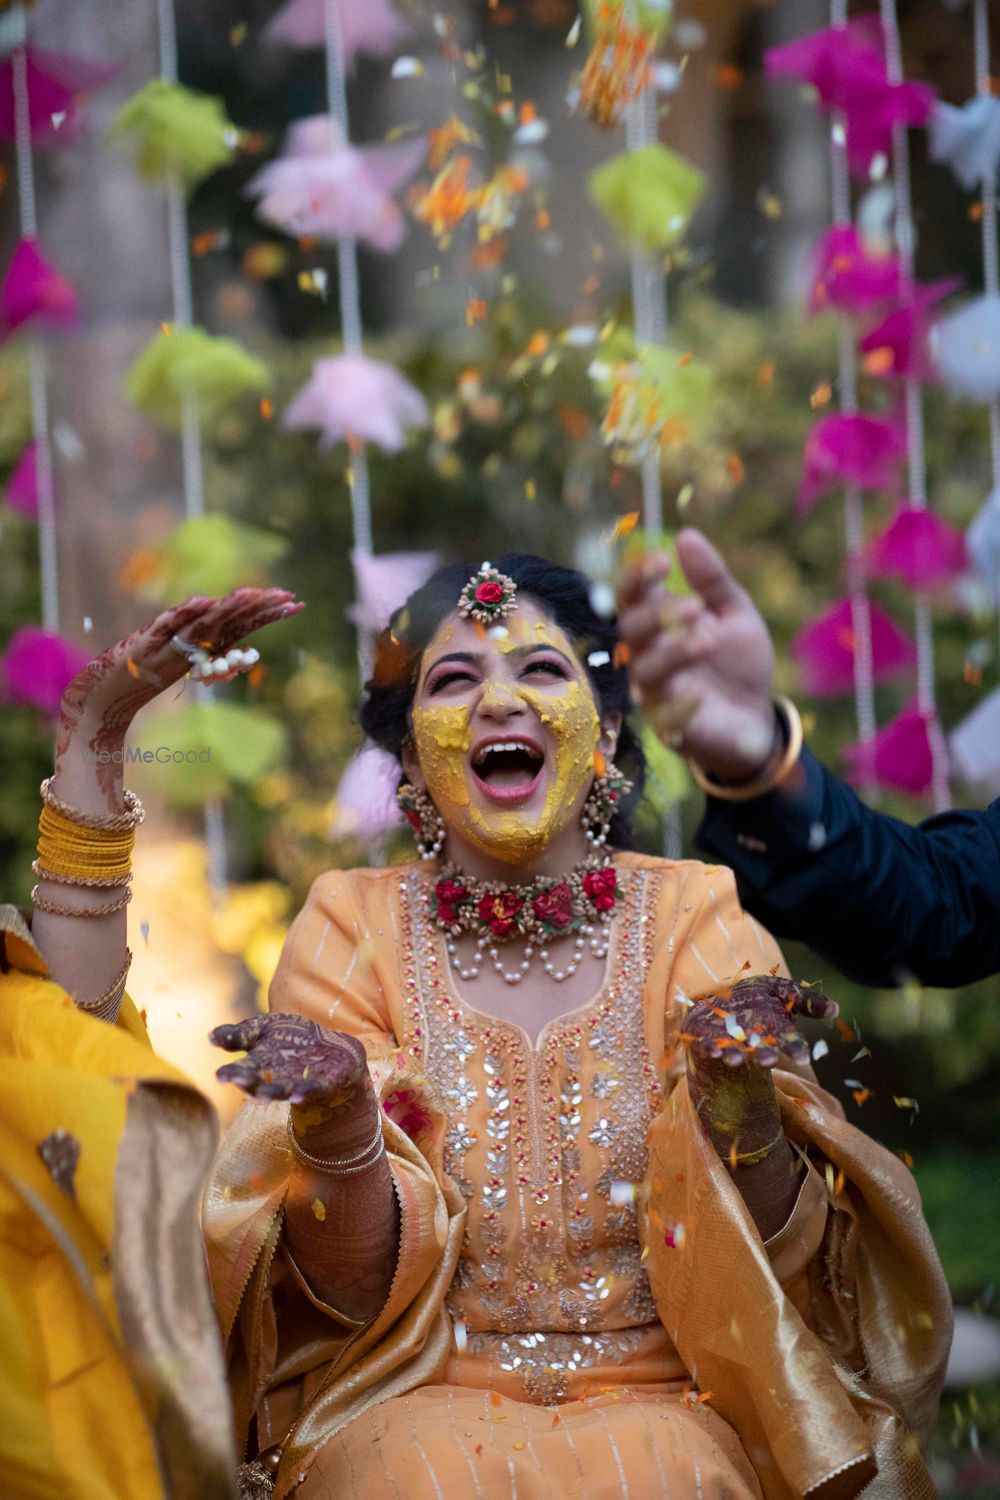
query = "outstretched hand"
{"x": 752, "y": 1023}
{"x": 290, "y": 1057}
{"x": 701, "y": 665}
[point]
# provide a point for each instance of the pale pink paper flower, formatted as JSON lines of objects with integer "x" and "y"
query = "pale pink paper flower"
{"x": 920, "y": 548}
{"x": 34, "y": 292}
{"x": 365, "y": 806}
{"x": 826, "y": 649}
{"x": 384, "y": 582}
{"x": 57, "y": 87}
{"x": 370, "y": 26}
{"x": 854, "y": 449}
{"x": 899, "y": 756}
{"x": 37, "y": 667}
{"x": 353, "y": 397}
{"x": 22, "y": 486}
{"x": 324, "y": 187}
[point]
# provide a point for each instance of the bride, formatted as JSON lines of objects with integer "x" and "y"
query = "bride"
{"x": 535, "y": 1193}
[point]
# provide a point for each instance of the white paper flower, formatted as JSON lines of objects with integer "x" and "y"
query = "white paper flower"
{"x": 965, "y": 347}
{"x": 968, "y": 139}
{"x": 351, "y": 396}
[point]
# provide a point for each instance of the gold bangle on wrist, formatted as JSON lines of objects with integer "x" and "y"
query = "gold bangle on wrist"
{"x": 751, "y": 1158}
{"x": 345, "y": 1166}
{"x": 107, "y": 1006}
{"x": 40, "y": 903}
{"x": 111, "y": 822}
{"x": 773, "y": 773}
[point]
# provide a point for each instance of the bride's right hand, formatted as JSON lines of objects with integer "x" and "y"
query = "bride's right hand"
{"x": 291, "y": 1057}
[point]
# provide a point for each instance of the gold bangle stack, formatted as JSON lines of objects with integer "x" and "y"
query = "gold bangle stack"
{"x": 773, "y": 774}
{"x": 85, "y": 849}
{"x": 107, "y": 1006}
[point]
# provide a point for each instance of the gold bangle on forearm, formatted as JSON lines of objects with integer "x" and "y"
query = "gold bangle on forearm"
{"x": 107, "y": 1006}
{"x": 56, "y": 910}
{"x": 751, "y": 1158}
{"x": 97, "y": 881}
{"x": 112, "y": 822}
{"x": 772, "y": 775}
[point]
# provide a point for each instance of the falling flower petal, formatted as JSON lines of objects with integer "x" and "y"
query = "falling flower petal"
{"x": 351, "y": 396}
{"x": 899, "y": 345}
{"x": 57, "y": 86}
{"x": 968, "y": 139}
{"x": 34, "y": 292}
{"x": 847, "y": 276}
{"x": 975, "y": 746}
{"x": 648, "y": 195}
{"x": 178, "y": 361}
{"x": 370, "y": 26}
{"x": 965, "y": 347}
{"x": 982, "y": 541}
{"x": 899, "y": 756}
{"x": 920, "y": 548}
{"x": 826, "y": 649}
{"x": 325, "y": 188}
{"x": 860, "y": 450}
{"x": 174, "y": 129}
{"x": 37, "y": 667}
{"x": 386, "y": 581}
{"x": 22, "y": 486}
{"x": 365, "y": 802}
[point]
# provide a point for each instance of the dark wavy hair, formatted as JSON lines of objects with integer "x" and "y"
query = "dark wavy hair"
{"x": 565, "y": 596}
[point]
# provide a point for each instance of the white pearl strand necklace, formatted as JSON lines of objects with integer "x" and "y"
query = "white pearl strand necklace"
{"x": 589, "y": 935}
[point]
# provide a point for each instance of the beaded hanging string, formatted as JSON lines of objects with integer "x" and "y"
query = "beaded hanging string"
{"x": 991, "y": 259}
{"x": 905, "y": 243}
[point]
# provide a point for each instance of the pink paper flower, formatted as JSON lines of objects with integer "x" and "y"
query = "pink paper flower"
{"x": 371, "y": 26}
{"x": 384, "y": 582}
{"x": 899, "y": 344}
{"x": 57, "y": 86}
{"x": 34, "y": 292}
{"x": 860, "y": 450}
{"x": 826, "y": 649}
{"x": 38, "y": 666}
{"x": 323, "y": 187}
{"x": 846, "y": 276}
{"x": 920, "y": 548}
{"x": 352, "y": 397}
{"x": 899, "y": 756}
{"x": 365, "y": 806}
{"x": 22, "y": 486}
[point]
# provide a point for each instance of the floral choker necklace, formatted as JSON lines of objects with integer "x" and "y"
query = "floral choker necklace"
{"x": 582, "y": 903}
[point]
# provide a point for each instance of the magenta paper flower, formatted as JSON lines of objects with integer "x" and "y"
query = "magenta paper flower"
{"x": 365, "y": 805}
{"x": 920, "y": 548}
{"x": 858, "y": 449}
{"x": 37, "y": 667}
{"x": 57, "y": 86}
{"x": 899, "y": 756}
{"x": 323, "y": 187}
{"x": 826, "y": 649}
{"x": 899, "y": 345}
{"x": 22, "y": 486}
{"x": 385, "y": 582}
{"x": 352, "y": 397}
{"x": 34, "y": 292}
{"x": 846, "y": 276}
{"x": 371, "y": 26}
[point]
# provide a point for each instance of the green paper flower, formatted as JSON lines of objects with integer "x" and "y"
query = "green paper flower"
{"x": 211, "y": 555}
{"x": 178, "y": 361}
{"x": 199, "y": 751}
{"x": 176, "y": 130}
{"x": 648, "y": 195}
{"x": 668, "y": 780}
{"x": 654, "y": 16}
{"x": 655, "y": 395}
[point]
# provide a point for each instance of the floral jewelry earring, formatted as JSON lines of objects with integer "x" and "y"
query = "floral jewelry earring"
{"x": 609, "y": 787}
{"x": 424, "y": 818}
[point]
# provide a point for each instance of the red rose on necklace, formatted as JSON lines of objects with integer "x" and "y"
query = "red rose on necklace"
{"x": 602, "y": 887}
{"x": 499, "y": 910}
{"x": 449, "y": 894}
{"x": 555, "y": 906}
{"x": 489, "y": 593}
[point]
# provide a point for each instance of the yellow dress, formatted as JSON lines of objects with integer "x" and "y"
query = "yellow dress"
{"x": 549, "y": 1331}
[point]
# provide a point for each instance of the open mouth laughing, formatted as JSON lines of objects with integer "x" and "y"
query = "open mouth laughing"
{"x": 507, "y": 768}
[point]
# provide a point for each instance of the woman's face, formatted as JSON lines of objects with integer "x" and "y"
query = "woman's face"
{"x": 506, "y": 728}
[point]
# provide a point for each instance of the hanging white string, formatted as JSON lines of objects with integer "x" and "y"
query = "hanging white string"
{"x": 905, "y": 243}
{"x": 191, "y": 464}
{"x": 37, "y": 376}
{"x": 991, "y": 261}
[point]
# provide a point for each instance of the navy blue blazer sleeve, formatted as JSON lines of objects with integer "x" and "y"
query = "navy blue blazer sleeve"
{"x": 882, "y": 900}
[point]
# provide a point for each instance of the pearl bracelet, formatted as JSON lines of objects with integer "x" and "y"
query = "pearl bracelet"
{"x": 344, "y": 1166}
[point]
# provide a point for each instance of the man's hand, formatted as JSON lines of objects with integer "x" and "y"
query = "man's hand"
{"x": 702, "y": 665}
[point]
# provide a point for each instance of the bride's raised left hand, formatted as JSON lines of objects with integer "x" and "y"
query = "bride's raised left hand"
{"x": 753, "y": 1021}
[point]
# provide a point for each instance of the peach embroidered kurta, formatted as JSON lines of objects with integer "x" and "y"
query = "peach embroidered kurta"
{"x": 523, "y": 1348}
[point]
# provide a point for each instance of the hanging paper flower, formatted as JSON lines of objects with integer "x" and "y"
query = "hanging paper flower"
{"x": 965, "y": 347}
{"x": 858, "y": 449}
{"x": 899, "y": 345}
{"x": 37, "y": 668}
{"x": 355, "y": 398}
{"x": 214, "y": 746}
{"x": 982, "y": 542}
{"x": 849, "y": 277}
{"x": 188, "y": 361}
{"x": 648, "y": 195}
{"x": 22, "y": 486}
{"x": 323, "y": 187}
{"x": 34, "y": 292}
{"x": 826, "y": 650}
{"x": 899, "y": 756}
{"x": 920, "y": 548}
{"x": 210, "y": 555}
{"x": 384, "y": 582}
{"x": 370, "y": 26}
{"x": 975, "y": 746}
{"x": 177, "y": 130}
{"x": 968, "y": 139}
{"x": 365, "y": 806}
{"x": 872, "y": 119}
{"x": 57, "y": 86}
{"x": 653, "y": 399}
